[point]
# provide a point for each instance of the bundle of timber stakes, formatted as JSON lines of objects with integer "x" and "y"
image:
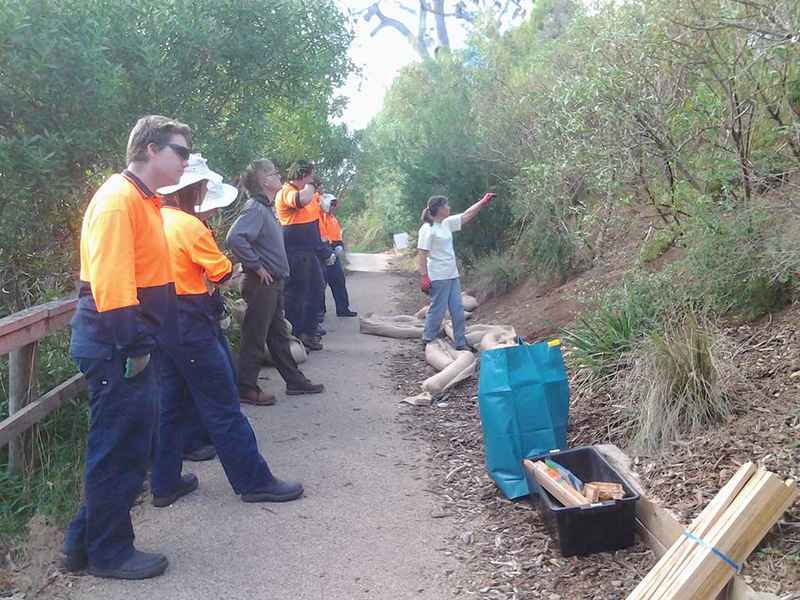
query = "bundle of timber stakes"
{"x": 700, "y": 562}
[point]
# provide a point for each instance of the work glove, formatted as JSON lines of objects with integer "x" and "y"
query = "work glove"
{"x": 338, "y": 250}
{"x": 135, "y": 365}
{"x": 487, "y": 199}
{"x": 426, "y": 284}
{"x": 331, "y": 260}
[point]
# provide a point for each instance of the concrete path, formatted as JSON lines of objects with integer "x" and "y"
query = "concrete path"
{"x": 364, "y": 528}
{"x": 369, "y": 263}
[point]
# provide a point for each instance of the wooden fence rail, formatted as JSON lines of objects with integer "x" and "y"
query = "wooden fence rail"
{"x": 19, "y": 336}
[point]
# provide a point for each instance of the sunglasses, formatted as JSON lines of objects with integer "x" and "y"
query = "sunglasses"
{"x": 182, "y": 151}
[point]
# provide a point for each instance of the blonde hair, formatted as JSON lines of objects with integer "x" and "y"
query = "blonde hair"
{"x": 248, "y": 181}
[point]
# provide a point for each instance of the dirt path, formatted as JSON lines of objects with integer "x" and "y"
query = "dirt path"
{"x": 364, "y": 528}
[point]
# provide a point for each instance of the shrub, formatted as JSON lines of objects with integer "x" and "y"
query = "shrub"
{"x": 680, "y": 382}
{"x": 495, "y": 274}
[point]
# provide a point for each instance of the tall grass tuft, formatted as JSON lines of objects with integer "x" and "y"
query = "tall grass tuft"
{"x": 680, "y": 382}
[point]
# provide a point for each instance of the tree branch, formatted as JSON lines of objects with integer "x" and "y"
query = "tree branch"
{"x": 374, "y": 10}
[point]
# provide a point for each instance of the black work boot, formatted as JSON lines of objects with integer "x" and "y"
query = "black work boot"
{"x": 142, "y": 565}
{"x": 74, "y": 561}
{"x": 200, "y": 454}
{"x": 189, "y": 484}
{"x": 310, "y": 341}
{"x": 276, "y": 491}
{"x": 304, "y": 387}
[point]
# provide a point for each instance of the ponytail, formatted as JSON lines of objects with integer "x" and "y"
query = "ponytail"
{"x": 434, "y": 204}
{"x": 426, "y": 216}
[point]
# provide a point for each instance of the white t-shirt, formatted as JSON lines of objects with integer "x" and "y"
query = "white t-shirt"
{"x": 437, "y": 239}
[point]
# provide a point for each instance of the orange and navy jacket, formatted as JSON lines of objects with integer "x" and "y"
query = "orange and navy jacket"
{"x": 300, "y": 223}
{"x": 195, "y": 258}
{"x": 127, "y": 292}
{"x": 330, "y": 229}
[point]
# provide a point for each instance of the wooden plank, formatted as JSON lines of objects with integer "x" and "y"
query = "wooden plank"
{"x": 36, "y": 411}
{"x": 27, "y": 326}
{"x": 21, "y": 387}
{"x": 659, "y": 528}
{"x": 563, "y": 492}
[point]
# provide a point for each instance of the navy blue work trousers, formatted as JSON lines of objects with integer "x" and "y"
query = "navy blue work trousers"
{"x": 195, "y": 434}
{"x": 334, "y": 275}
{"x": 203, "y": 369}
{"x": 124, "y": 417}
{"x": 303, "y": 291}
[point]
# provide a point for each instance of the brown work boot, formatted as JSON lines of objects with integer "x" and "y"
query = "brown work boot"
{"x": 256, "y": 398}
{"x": 311, "y": 342}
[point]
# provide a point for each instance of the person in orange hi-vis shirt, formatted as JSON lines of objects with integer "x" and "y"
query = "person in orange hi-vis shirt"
{"x": 195, "y": 369}
{"x": 126, "y": 298}
{"x": 299, "y": 216}
{"x": 331, "y": 230}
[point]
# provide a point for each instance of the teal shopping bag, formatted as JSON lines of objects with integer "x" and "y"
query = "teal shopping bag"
{"x": 523, "y": 396}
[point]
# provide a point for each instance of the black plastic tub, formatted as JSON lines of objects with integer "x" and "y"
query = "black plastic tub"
{"x": 599, "y": 527}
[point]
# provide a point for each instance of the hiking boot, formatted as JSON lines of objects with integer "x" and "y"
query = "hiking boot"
{"x": 142, "y": 565}
{"x": 347, "y": 313}
{"x": 74, "y": 560}
{"x": 276, "y": 491}
{"x": 256, "y": 398}
{"x": 305, "y": 387}
{"x": 311, "y": 342}
{"x": 200, "y": 454}
{"x": 188, "y": 484}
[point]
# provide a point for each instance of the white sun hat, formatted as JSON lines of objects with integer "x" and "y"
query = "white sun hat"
{"x": 326, "y": 201}
{"x": 219, "y": 195}
{"x": 196, "y": 170}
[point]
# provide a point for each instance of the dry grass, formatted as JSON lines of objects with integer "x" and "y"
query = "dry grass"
{"x": 679, "y": 382}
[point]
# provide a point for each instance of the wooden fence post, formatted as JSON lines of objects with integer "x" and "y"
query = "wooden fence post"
{"x": 22, "y": 389}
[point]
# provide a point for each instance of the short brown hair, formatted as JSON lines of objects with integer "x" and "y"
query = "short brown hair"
{"x": 154, "y": 129}
{"x": 299, "y": 169}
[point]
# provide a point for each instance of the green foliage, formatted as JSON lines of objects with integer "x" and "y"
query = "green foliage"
{"x": 366, "y": 233}
{"x": 656, "y": 245}
{"x": 666, "y": 103}
{"x": 495, "y": 274}
{"x": 52, "y": 484}
{"x": 732, "y": 266}
{"x": 601, "y": 337}
{"x": 75, "y": 75}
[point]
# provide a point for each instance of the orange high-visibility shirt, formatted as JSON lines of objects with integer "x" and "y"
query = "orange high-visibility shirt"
{"x": 123, "y": 248}
{"x": 329, "y": 227}
{"x": 193, "y": 252}
{"x": 289, "y": 209}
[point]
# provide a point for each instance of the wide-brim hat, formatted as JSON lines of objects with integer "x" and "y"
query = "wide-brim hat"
{"x": 219, "y": 195}
{"x": 326, "y": 201}
{"x": 196, "y": 170}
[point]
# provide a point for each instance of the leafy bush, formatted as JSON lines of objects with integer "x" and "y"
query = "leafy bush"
{"x": 76, "y": 75}
{"x": 678, "y": 382}
{"x": 732, "y": 267}
{"x": 495, "y": 274}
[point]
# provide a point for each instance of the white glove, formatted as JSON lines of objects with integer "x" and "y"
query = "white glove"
{"x": 225, "y": 322}
{"x": 338, "y": 250}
